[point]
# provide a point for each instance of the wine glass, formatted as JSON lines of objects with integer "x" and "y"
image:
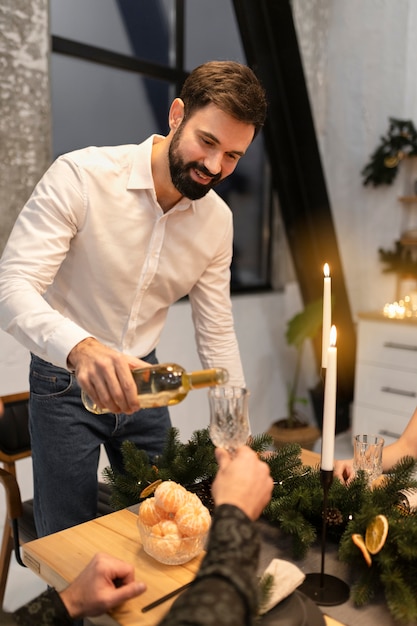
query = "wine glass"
{"x": 229, "y": 421}
{"x": 367, "y": 455}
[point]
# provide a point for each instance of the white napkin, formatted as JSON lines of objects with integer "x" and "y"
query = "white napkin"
{"x": 287, "y": 577}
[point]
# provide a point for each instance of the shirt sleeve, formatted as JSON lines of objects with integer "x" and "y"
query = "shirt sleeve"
{"x": 225, "y": 588}
{"x": 45, "y": 610}
{"x": 37, "y": 246}
{"x": 212, "y": 312}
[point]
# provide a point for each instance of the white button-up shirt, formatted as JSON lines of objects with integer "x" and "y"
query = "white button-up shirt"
{"x": 93, "y": 254}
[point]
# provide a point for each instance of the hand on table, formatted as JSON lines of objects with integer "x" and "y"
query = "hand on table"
{"x": 105, "y": 375}
{"x": 343, "y": 470}
{"x": 242, "y": 480}
{"x": 94, "y": 591}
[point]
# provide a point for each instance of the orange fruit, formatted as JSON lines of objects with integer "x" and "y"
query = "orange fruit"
{"x": 168, "y": 528}
{"x": 193, "y": 520}
{"x": 161, "y": 548}
{"x": 359, "y": 541}
{"x": 149, "y": 513}
{"x": 170, "y": 496}
{"x": 376, "y": 534}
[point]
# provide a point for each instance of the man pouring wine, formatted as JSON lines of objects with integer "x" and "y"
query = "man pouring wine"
{"x": 91, "y": 269}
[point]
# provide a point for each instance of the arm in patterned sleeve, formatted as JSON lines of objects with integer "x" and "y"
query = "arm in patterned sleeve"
{"x": 225, "y": 588}
{"x": 46, "y": 609}
{"x": 224, "y": 591}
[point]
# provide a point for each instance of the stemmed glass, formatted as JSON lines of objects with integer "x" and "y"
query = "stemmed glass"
{"x": 229, "y": 421}
{"x": 367, "y": 455}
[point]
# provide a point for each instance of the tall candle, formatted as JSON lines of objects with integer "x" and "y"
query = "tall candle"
{"x": 329, "y": 410}
{"x": 327, "y": 315}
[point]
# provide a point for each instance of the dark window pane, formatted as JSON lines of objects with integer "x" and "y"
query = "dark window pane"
{"x": 129, "y": 27}
{"x": 97, "y": 105}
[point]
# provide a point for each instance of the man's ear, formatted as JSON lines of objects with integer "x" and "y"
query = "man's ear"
{"x": 176, "y": 113}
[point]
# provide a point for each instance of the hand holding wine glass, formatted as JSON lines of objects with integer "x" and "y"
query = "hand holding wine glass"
{"x": 229, "y": 421}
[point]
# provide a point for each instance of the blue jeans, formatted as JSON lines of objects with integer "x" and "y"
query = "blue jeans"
{"x": 66, "y": 440}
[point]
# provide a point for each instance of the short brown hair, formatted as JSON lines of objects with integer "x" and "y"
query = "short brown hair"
{"x": 231, "y": 86}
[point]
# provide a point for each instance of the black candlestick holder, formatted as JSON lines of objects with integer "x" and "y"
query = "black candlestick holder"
{"x": 322, "y": 588}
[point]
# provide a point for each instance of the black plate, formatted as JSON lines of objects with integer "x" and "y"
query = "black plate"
{"x": 296, "y": 610}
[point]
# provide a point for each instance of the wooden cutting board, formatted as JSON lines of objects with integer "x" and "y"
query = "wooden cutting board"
{"x": 59, "y": 558}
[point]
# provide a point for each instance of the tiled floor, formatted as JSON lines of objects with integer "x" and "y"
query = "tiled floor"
{"x": 23, "y": 585}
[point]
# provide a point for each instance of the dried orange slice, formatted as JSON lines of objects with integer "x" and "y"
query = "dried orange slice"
{"x": 150, "y": 488}
{"x": 376, "y": 534}
{"x": 359, "y": 541}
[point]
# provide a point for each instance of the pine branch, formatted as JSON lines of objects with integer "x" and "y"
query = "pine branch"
{"x": 365, "y": 587}
{"x": 400, "y": 595}
{"x": 261, "y": 443}
{"x": 399, "y": 260}
{"x": 400, "y": 141}
{"x": 296, "y": 507}
{"x": 265, "y": 588}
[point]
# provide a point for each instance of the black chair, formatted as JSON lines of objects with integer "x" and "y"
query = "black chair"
{"x": 15, "y": 444}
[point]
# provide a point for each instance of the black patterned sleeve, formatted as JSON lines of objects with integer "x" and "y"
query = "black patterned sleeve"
{"x": 45, "y": 610}
{"x": 224, "y": 592}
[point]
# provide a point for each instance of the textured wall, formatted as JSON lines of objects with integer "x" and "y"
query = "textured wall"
{"x": 25, "y": 135}
{"x": 360, "y": 63}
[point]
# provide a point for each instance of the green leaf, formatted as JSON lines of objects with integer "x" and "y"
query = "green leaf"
{"x": 306, "y": 324}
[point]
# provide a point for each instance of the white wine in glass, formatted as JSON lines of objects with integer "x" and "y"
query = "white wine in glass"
{"x": 229, "y": 417}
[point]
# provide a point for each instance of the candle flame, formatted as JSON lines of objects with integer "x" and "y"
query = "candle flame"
{"x": 326, "y": 270}
{"x": 333, "y": 335}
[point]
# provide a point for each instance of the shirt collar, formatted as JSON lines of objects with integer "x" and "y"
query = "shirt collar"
{"x": 141, "y": 173}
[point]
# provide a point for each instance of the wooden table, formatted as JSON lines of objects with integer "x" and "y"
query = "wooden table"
{"x": 58, "y": 558}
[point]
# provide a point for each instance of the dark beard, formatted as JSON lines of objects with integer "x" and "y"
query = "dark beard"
{"x": 180, "y": 176}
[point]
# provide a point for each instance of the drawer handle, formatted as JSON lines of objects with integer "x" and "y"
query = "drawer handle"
{"x": 399, "y": 346}
{"x": 399, "y": 392}
{"x": 389, "y": 433}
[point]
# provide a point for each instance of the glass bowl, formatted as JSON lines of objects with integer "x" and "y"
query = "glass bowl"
{"x": 171, "y": 549}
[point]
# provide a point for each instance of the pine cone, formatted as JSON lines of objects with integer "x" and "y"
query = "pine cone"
{"x": 334, "y": 517}
{"x": 203, "y": 490}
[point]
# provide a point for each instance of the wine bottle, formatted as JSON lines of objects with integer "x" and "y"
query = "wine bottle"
{"x": 165, "y": 384}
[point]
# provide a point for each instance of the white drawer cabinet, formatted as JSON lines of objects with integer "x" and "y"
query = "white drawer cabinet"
{"x": 385, "y": 375}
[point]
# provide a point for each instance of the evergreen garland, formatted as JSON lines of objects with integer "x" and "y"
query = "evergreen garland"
{"x": 400, "y": 142}
{"x": 399, "y": 260}
{"x": 192, "y": 464}
{"x": 395, "y": 566}
{"x": 296, "y": 507}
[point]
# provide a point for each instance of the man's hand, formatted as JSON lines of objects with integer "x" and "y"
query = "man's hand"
{"x": 242, "y": 480}
{"x": 94, "y": 591}
{"x": 105, "y": 375}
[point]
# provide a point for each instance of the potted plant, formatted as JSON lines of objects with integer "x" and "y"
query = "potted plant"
{"x": 294, "y": 428}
